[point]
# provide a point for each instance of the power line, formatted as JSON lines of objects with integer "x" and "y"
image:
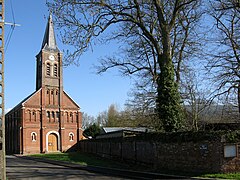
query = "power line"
{"x": 12, "y": 11}
{"x": 13, "y": 25}
{"x": 9, "y": 36}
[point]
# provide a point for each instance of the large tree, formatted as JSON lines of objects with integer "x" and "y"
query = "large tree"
{"x": 186, "y": 43}
{"x": 145, "y": 25}
{"x": 225, "y": 57}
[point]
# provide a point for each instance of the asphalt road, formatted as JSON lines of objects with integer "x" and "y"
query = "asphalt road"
{"x": 19, "y": 168}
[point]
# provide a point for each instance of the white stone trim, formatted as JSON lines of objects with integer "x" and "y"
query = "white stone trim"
{"x": 33, "y": 140}
{"x": 71, "y": 133}
{"x": 58, "y": 140}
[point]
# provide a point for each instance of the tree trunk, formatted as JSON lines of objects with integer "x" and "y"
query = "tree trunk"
{"x": 168, "y": 98}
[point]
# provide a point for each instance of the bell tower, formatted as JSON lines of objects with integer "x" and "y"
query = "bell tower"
{"x": 48, "y": 120}
{"x": 49, "y": 61}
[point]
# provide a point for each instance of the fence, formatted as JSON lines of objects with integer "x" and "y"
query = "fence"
{"x": 210, "y": 155}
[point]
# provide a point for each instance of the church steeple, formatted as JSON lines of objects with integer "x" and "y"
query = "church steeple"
{"x": 49, "y": 61}
{"x": 49, "y": 40}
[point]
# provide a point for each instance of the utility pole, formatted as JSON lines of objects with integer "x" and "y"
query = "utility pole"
{"x": 2, "y": 118}
{"x": 2, "y": 100}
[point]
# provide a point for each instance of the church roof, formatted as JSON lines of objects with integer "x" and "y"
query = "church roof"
{"x": 49, "y": 40}
{"x": 21, "y": 104}
{"x": 69, "y": 102}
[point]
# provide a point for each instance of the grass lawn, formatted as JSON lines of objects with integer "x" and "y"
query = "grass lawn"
{"x": 223, "y": 176}
{"x": 91, "y": 160}
{"x": 83, "y": 159}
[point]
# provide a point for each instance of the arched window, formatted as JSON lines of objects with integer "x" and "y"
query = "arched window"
{"x": 71, "y": 135}
{"x": 48, "y": 115}
{"x": 71, "y": 117}
{"x": 34, "y": 116}
{"x": 48, "y": 97}
{"x": 28, "y": 115}
{"x": 34, "y": 136}
{"x": 48, "y": 69}
{"x": 55, "y": 70}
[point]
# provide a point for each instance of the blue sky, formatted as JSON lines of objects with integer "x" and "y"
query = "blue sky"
{"x": 93, "y": 93}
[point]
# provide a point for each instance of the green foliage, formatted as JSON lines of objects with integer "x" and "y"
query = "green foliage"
{"x": 168, "y": 101}
{"x": 223, "y": 176}
{"x": 92, "y": 130}
{"x": 233, "y": 136}
{"x": 81, "y": 158}
{"x": 113, "y": 116}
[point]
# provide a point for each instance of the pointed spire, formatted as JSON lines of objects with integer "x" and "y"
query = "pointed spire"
{"x": 49, "y": 40}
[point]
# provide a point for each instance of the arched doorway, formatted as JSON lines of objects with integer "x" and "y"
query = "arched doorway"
{"x": 52, "y": 142}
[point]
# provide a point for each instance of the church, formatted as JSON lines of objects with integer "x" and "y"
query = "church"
{"x": 48, "y": 120}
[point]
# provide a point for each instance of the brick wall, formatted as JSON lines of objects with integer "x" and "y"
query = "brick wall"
{"x": 204, "y": 156}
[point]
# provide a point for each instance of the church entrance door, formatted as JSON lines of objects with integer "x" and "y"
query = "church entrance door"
{"x": 52, "y": 142}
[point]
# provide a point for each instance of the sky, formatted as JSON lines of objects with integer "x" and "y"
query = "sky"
{"x": 93, "y": 93}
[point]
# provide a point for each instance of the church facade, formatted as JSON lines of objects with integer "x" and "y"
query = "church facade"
{"x": 48, "y": 120}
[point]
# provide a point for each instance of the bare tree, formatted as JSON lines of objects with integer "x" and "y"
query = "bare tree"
{"x": 186, "y": 41}
{"x": 196, "y": 98}
{"x": 225, "y": 58}
{"x": 227, "y": 4}
{"x": 87, "y": 120}
{"x": 102, "y": 118}
{"x": 145, "y": 25}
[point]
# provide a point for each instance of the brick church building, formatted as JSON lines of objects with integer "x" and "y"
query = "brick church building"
{"x": 48, "y": 120}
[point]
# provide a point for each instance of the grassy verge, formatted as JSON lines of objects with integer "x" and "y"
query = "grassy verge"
{"x": 223, "y": 176}
{"x": 91, "y": 160}
{"x": 83, "y": 159}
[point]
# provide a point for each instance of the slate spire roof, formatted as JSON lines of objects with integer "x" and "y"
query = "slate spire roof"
{"x": 49, "y": 40}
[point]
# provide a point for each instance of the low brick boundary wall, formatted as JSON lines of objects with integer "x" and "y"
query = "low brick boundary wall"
{"x": 206, "y": 155}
